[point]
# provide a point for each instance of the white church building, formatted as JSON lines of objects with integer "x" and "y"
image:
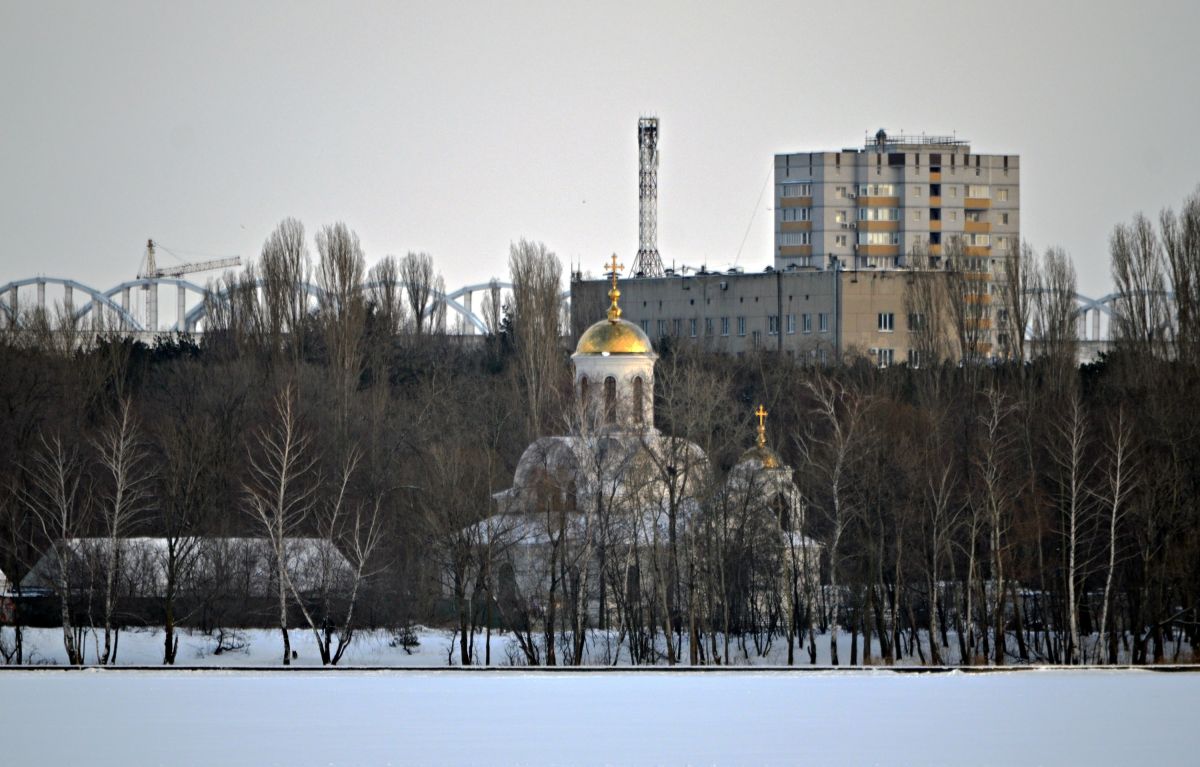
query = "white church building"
{"x": 616, "y": 490}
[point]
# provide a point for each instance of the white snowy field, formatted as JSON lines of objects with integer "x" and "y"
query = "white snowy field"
{"x": 358, "y": 717}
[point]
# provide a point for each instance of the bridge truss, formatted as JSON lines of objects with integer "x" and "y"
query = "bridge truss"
{"x": 192, "y": 301}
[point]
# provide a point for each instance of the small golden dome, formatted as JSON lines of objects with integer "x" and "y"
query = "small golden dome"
{"x": 764, "y": 455}
{"x": 614, "y": 337}
{"x": 760, "y": 452}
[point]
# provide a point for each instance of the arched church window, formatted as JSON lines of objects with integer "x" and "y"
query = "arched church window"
{"x": 572, "y": 497}
{"x": 638, "y": 399}
{"x": 583, "y": 392}
{"x": 610, "y": 400}
{"x": 783, "y": 513}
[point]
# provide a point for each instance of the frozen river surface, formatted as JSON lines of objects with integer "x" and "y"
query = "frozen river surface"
{"x": 623, "y": 718}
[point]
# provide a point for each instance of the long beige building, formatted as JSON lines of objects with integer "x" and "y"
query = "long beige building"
{"x": 819, "y": 316}
{"x": 851, "y": 226}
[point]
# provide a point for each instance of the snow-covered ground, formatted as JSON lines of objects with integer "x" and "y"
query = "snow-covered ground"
{"x": 363, "y": 717}
{"x": 262, "y": 647}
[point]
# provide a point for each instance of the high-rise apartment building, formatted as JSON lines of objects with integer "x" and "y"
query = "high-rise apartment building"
{"x": 870, "y": 208}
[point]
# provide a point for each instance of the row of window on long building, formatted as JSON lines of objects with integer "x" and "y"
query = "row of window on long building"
{"x": 675, "y": 327}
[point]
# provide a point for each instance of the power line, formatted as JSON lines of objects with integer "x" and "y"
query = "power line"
{"x": 754, "y": 214}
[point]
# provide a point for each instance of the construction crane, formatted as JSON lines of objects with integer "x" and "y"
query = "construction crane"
{"x": 151, "y": 271}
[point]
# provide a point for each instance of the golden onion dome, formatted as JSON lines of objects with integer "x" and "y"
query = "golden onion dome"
{"x": 615, "y": 336}
{"x": 764, "y": 455}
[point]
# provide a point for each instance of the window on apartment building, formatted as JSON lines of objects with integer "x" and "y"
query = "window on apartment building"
{"x": 662, "y": 328}
{"x": 693, "y": 325}
{"x": 935, "y": 238}
{"x": 916, "y": 321}
{"x": 1001, "y": 195}
{"x": 979, "y": 191}
{"x": 741, "y": 326}
{"x": 795, "y": 190}
{"x": 807, "y": 322}
{"x": 724, "y": 326}
{"x": 773, "y": 324}
{"x": 878, "y": 238}
{"x": 953, "y": 191}
{"x": 895, "y": 158}
{"x": 917, "y": 190}
{"x": 1002, "y": 242}
{"x": 978, "y": 240}
{"x": 795, "y": 238}
{"x": 935, "y": 190}
{"x": 887, "y": 322}
{"x": 839, "y": 240}
{"x": 645, "y": 326}
{"x": 1003, "y": 218}
{"x": 914, "y": 358}
{"x": 885, "y": 357}
{"x": 791, "y": 324}
{"x": 823, "y": 356}
{"x": 708, "y": 326}
{"x": 839, "y": 217}
{"x": 916, "y": 215}
{"x": 878, "y": 214}
{"x": 677, "y": 328}
{"x": 876, "y": 190}
{"x": 797, "y": 214}
{"x": 839, "y": 192}
{"x": 954, "y": 215}
{"x": 754, "y": 340}
{"x": 823, "y": 322}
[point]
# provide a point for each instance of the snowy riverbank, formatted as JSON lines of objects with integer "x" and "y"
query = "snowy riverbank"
{"x": 430, "y": 718}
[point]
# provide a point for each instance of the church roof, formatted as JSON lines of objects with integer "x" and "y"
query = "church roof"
{"x": 614, "y": 337}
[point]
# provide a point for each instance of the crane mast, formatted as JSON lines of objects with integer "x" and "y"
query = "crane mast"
{"x": 153, "y": 272}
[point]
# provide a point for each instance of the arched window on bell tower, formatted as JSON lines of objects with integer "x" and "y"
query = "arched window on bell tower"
{"x": 638, "y": 401}
{"x": 583, "y": 393}
{"x": 610, "y": 400}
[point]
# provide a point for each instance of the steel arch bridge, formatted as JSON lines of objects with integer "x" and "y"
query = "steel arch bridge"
{"x": 1097, "y": 309}
{"x": 190, "y": 294}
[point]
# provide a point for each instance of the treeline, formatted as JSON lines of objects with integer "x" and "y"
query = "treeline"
{"x": 1032, "y": 510}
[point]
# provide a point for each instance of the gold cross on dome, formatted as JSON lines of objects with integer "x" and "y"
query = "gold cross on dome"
{"x": 762, "y": 425}
{"x": 614, "y": 311}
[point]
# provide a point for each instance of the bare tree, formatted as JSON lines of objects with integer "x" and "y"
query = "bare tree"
{"x": 967, "y": 280}
{"x": 1120, "y": 480}
{"x": 284, "y": 268}
{"x": 340, "y": 271}
{"x": 358, "y": 527}
{"x": 386, "y": 294}
{"x": 418, "y": 276}
{"x": 1020, "y": 280}
{"x": 830, "y": 453}
{"x": 281, "y": 491}
{"x": 926, "y": 298}
{"x": 122, "y": 456}
{"x": 537, "y": 275}
{"x": 1181, "y": 242}
{"x": 1069, "y": 447}
{"x": 54, "y": 497}
{"x": 995, "y": 497}
{"x": 1055, "y": 319}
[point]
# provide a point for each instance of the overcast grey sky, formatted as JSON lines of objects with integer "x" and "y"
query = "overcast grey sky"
{"x": 456, "y": 128}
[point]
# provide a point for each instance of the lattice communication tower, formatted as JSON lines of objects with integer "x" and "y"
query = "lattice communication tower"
{"x": 648, "y": 263}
